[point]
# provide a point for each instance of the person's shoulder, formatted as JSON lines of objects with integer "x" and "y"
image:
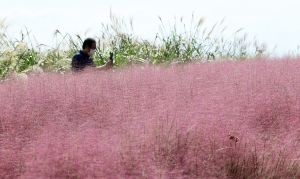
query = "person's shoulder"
{"x": 77, "y": 55}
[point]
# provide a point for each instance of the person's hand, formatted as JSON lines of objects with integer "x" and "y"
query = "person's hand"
{"x": 109, "y": 64}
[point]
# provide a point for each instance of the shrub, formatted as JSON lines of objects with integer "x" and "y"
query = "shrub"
{"x": 209, "y": 120}
{"x": 174, "y": 45}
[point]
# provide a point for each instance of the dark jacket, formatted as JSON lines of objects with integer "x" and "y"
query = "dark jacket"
{"x": 81, "y": 60}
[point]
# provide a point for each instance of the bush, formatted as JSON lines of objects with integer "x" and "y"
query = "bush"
{"x": 209, "y": 120}
{"x": 174, "y": 45}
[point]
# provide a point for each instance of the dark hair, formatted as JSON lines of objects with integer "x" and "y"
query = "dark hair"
{"x": 88, "y": 42}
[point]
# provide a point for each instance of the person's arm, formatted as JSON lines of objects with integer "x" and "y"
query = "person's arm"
{"x": 77, "y": 64}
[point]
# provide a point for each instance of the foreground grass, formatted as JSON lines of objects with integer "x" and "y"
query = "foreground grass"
{"x": 209, "y": 120}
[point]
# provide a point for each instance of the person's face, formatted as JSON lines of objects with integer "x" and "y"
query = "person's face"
{"x": 91, "y": 50}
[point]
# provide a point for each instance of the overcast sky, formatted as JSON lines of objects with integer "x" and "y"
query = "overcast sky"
{"x": 275, "y": 22}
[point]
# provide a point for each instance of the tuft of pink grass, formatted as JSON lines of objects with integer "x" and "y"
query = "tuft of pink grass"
{"x": 209, "y": 120}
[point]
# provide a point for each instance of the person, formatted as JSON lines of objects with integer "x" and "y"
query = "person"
{"x": 84, "y": 59}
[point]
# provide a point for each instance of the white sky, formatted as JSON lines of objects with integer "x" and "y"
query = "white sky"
{"x": 275, "y": 22}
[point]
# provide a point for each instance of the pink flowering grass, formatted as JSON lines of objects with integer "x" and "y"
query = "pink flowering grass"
{"x": 209, "y": 120}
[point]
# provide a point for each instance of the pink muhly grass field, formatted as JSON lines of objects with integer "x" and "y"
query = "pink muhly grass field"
{"x": 209, "y": 120}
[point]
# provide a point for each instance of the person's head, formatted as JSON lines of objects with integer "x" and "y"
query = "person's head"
{"x": 89, "y": 46}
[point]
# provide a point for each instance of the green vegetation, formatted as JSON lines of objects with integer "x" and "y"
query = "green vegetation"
{"x": 174, "y": 45}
